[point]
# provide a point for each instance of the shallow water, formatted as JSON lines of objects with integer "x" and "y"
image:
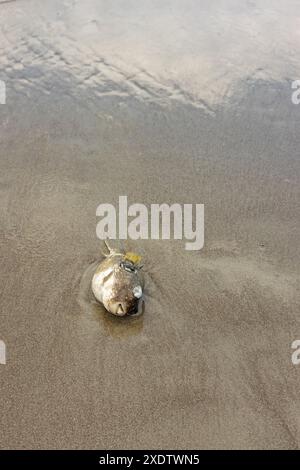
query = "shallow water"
{"x": 183, "y": 102}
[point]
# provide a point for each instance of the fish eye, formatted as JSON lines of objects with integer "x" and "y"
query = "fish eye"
{"x": 128, "y": 267}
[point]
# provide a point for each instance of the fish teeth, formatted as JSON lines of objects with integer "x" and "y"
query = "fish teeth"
{"x": 120, "y": 309}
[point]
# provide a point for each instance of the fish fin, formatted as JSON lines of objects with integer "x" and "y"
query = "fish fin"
{"x": 104, "y": 254}
{"x": 111, "y": 250}
{"x": 108, "y": 248}
{"x": 133, "y": 257}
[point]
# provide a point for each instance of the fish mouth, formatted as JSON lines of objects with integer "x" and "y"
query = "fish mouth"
{"x": 121, "y": 311}
{"x": 138, "y": 310}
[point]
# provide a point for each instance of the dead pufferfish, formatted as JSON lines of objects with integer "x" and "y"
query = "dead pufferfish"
{"x": 118, "y": 284}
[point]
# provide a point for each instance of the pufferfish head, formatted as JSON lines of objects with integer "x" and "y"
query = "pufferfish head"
{"x": 119, "y": 286}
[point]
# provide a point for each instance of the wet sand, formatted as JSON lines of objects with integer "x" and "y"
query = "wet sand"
{"x": 163, "y": 104}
